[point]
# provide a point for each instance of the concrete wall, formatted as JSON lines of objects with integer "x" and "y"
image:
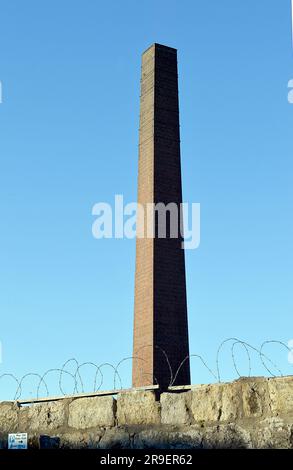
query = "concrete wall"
{"x": 247, "y": 413}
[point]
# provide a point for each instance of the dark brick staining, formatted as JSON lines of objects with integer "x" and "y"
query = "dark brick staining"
{"x": 170, "y": 306}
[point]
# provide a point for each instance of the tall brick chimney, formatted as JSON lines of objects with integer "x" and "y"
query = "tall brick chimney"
{"x": 160, "y": 318}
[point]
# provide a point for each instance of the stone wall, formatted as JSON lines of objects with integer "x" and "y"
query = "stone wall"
{"x": 247, "y": 413}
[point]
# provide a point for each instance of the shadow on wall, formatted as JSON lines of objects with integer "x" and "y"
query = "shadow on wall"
{"x": 275, "y": 435}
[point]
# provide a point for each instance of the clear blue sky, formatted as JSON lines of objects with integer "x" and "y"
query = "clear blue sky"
{"x": 69, "y": 138}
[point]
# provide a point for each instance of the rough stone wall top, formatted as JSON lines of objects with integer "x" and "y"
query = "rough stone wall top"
{"x": 250, "y": 413}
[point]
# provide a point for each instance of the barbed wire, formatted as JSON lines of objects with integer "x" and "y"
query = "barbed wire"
{"x": 98, "y": 381}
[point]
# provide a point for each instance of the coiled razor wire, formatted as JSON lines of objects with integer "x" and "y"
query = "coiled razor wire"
{"x": 78, "y": 382}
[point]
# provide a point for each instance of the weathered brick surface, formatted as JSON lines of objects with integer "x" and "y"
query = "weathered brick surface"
{"x": 160, "y": 322}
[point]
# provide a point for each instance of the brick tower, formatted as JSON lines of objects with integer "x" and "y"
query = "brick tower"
{"x": 160, "y": 317}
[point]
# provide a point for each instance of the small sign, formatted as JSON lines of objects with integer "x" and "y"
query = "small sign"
{"x": 17, "y": 440}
